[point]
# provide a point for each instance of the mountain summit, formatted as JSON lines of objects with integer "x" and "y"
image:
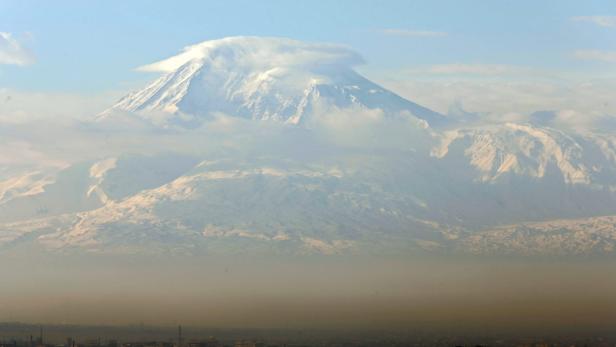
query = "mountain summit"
{"x": 263, "y": 79}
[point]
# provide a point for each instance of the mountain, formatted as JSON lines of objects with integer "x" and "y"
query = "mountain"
{"x": 271, "y": 145}
{"x": 261, "y": 79}
{"x": 365, "y": 203}
{"x": 230, "y": 206}
{"x": 522, "y": 173}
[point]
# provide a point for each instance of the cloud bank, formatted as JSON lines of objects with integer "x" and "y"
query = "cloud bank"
{"x": 506, "y": 100}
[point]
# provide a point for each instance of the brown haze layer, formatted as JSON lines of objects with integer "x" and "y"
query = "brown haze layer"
{"x": 307, "y": 292}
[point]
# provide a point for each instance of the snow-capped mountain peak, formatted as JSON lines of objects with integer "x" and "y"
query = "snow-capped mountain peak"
{"x": 263, "y": 79}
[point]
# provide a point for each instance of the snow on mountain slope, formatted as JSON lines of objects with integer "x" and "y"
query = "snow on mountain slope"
{"x": 217, "y": 207}
{"x": 260, "y": 78}
{"x": 365, "y": 204}
{"x": 531, "y": 151}
{"x": 64, "y": 192}
{"x": 29, "y": 184}
{"x": 85, "y": 186}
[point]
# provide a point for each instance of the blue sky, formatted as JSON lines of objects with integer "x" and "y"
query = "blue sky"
{"x": 94, "y": 46}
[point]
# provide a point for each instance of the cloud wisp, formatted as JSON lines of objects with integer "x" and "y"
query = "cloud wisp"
{"x": 596, "y": 55}
{"x": 602, "y": 21}
{"x": 475, "y": 69}
{"x": 12, "y": 52}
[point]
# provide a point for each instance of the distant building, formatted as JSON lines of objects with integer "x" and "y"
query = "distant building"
{"x": 247, "y": 343}
{"x": 211, "y": 342}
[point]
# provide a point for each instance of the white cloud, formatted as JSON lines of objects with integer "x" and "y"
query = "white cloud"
{"x": 412, "y": 33}
{"x": 603, "y": 21}
{"x": 358, "y": 127}
{"x": 20, "y": 107}
{"x": 12, "y": 52}
{"x": 259, "y": 51}
{"x": 474, "y": 69}
{"x": 500, "y": 97}
{"x": 605, "y": 56}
